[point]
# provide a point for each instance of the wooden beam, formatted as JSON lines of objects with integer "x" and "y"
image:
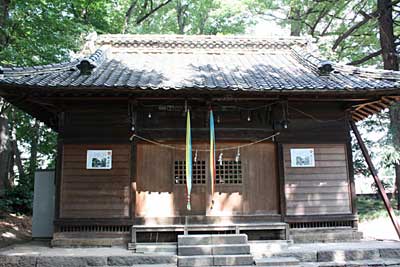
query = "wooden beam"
{"x": 357, "y": 116}
{"x": 382, "y": 105}
{"x": 386, "y": 100}
{"x": 363, "y": 112}
{"x": 370, "y": 109}
{"x": 378, "y": 182}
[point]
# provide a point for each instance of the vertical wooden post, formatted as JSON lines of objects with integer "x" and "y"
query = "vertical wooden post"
{"x": 374, "y": 173}
{"x": 59, "y": 159}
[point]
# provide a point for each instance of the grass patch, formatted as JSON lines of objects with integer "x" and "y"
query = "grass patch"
{"x": 370, "y": 208}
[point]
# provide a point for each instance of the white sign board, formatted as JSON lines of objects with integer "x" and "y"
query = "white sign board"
{"x": 302, "y": 157}
{"x": 99, "y": 159}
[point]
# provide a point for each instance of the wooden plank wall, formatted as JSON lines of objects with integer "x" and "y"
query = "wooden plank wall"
{"x": 97, "y": 122}
{"x": 158, "y": 196}
{"x": 95, "y": 193}
{"x": 320, "y": 190}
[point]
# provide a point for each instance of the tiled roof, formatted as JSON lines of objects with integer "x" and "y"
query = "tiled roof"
{"x": 201, "y": 62}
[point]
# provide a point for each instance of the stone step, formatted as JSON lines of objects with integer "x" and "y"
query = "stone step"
{"x": 204, "y": 260}
{"x": 145, "y": 265}
{"x": 215, "y": 260}
{"x": 359, "y": 263}
{"x": 278, "y": 261}
{"x": 224, "y": 249}
{"x": 87, "y": 242}
{"x": 266, "y": 248}
{"x": 189, "y": 240}
{"x": 155, "y": 248}
{"x": 315, "y": 236}
{"x": 347, "y": 255}
{"x": 339, "y": 254}
{"x": 140, "y": 259}
{"x": 229, "y": 260}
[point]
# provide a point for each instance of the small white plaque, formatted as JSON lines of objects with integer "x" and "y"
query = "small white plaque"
{"x": 302, "y": 157}
{"x": 99, "y": 159}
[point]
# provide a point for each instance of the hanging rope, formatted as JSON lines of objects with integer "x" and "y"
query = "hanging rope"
{"x": 202, "y": 150}
{"x": 314, "y": 118}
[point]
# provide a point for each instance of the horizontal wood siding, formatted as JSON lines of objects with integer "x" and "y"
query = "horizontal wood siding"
{"x": 95, "y": 193}
{"x": 320, "y": 190}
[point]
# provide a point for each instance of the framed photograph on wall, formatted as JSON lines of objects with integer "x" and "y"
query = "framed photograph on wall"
{"x": 99, "y": 159}
{"x": 302, "y": 157}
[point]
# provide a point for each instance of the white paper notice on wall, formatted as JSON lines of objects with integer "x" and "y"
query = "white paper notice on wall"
{"x": 99, "y": 159}
{"x": 302, "y": 157}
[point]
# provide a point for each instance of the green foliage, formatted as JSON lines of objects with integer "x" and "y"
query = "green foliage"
{"x": 386, "y": 185}
{"x": 19, "y": 198}
{"x": 42, "y": 31}
{"x": 327, "y": 21}
{"x": 208, "y": 17}
{"x": 370, "y": 208}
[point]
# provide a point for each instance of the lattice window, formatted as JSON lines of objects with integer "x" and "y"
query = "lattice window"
{"x": 229, "y": 172}
{"x": 198, "y": 172}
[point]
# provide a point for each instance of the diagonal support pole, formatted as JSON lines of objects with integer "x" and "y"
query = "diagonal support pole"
{"x": 374, "y": 173}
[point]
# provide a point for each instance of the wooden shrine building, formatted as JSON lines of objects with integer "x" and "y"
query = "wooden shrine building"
{"x": 281, "y": 113}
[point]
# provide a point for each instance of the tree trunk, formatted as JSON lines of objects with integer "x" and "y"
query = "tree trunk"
{"x": 4, "y": 155}
{"x": 4, "y": 6}
{"x": 397, "y": 181}
{"x": 128, "y": 16}
{"x": 295, "y": 21}
{"x": 389, "y": 56}
{"x": 181, "y": 17}
{"x": 386, "y": 35}
{"x": 18, "y": 161}
{"x": 395, "y": 131}
{"x": 34, "y": 148}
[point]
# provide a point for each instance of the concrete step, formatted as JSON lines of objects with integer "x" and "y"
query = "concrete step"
{"x": 215, "y": 260}
{"x": 278, "y": 261}
{"x": 189, "y": 240}
{"x": 224, "y": 249}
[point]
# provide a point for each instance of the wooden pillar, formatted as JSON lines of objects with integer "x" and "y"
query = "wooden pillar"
{"x": 59, "y": 158}
{"x": 378, "y": 182}
{"x": 132, "y": 104}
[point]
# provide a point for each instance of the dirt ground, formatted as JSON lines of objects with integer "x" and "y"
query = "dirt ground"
{"x": 14, "y": 229}
{"x": 379, "y": 229}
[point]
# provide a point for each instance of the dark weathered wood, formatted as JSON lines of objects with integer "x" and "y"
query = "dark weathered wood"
{"x": 374, "y": 173}
{"x": 321, "y": 218}
{"x": 95, "y": 193}
{"x": 281, "y": 177}
{"x": 349, "y": 157}
{"x": 326, "y": 185}
{"x": 59, "y": 164}
{"x": 258, "y": 194}
{"x": 58, "y": 177}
